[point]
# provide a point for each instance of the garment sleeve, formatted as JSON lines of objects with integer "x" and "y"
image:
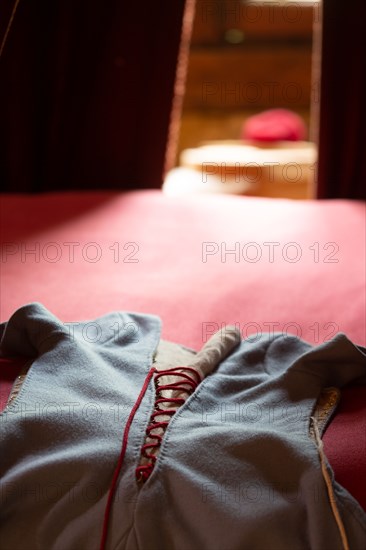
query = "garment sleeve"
{"x": 31, "y": 330}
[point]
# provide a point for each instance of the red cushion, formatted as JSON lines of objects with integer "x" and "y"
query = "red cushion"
{"x": 274, "y": 125}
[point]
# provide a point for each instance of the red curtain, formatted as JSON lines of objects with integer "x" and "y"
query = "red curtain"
{"x": 342, "y": 124}
{"x": 86, "y": 93}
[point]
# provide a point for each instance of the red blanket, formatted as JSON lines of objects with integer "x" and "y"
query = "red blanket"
{"x": 296, "y": 267}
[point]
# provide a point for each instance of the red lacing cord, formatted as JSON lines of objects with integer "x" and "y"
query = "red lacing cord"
{"x": 113, "y": 485}
{"x": 143, "y": 472}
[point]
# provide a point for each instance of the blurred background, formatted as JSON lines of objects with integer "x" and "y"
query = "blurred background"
{"x": 115, "y": 95}
{"x": 246, "y": 57}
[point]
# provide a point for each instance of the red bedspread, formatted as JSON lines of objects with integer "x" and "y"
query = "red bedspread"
{"x": 296, "y": 267}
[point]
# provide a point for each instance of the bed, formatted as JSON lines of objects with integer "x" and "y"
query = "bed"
{"x": 199, "y": 263}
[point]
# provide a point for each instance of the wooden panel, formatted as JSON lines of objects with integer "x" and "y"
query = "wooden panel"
{"x": 207, "y": 25}
{"x": 249, "y": 78}
{"x": 268, "y": 20}
{"x": 216, "y": 19}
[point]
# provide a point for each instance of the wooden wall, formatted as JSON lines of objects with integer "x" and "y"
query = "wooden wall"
{"x": 244, "y": 58}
